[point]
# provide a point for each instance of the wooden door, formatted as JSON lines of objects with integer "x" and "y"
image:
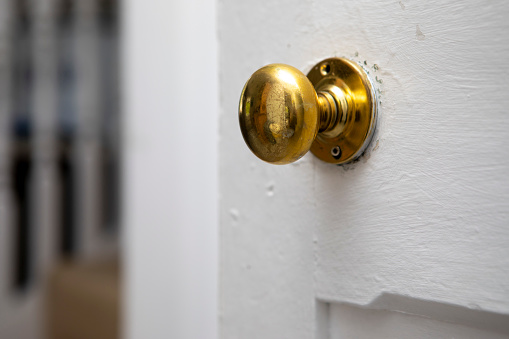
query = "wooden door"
{"x": 411, "y": 241}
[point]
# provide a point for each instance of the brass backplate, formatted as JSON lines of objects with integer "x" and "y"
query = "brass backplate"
{"x": 356, "y": 124}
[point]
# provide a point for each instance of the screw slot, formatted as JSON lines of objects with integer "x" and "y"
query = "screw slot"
{"x": 325, "y": 69}
{"x": 336, "y": 152}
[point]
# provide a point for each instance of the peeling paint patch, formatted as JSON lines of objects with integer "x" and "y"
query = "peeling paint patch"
{"x": 419, "y": 35}
{"x": 234, "y": 214}
{"x": 270, "y": 189}
{"x": 376, "y": 145}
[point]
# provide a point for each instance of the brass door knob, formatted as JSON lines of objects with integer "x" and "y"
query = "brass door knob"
{"x": 283, "y": 114}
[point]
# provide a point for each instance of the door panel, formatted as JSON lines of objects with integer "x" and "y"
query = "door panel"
{"x": 350, "y": 322}
{"x": 419, "y": 223}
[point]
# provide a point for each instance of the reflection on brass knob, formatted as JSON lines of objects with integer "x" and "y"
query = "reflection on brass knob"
{"x": 283, "y": 114}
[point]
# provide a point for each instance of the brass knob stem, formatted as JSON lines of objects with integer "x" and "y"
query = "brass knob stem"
{"x": 328, "y": 108}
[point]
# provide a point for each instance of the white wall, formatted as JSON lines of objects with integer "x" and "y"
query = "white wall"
{"x": 170, "y": 158}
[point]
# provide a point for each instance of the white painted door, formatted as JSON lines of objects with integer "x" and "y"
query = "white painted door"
{"x": 412, "y": 241}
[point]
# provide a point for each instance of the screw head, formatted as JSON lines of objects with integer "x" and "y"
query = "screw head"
{"x": 336, "y": 152}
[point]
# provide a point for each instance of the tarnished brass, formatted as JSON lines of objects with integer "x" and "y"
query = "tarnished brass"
{"x": 332, "y": 111}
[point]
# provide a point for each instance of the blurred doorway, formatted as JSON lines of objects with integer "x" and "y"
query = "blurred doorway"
{"x": 59, "y": 168}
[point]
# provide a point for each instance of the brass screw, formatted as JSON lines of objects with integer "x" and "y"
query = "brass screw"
{"x": 336, "y": 152}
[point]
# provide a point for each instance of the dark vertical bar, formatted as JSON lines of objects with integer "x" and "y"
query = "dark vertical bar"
{"x": 108, "y": 24}
{"x": 67, "y": 224}
{"x": 21, "y": 128}
{"x": 22, "y": 168}
{"x": 66, "y": 128}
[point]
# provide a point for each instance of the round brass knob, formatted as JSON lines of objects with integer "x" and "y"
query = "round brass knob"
{"x": 279, "y": 113}
{"x": 283, "y": 114}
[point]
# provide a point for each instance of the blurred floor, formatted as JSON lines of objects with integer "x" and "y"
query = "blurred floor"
{"x": 83, "y": 300}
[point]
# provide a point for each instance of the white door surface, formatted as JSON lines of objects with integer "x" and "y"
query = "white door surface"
{"x": 411, "y": 241}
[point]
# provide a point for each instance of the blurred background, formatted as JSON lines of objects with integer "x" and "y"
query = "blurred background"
{"x": 59, "y": 169}
{"x": 108, "y": 175}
